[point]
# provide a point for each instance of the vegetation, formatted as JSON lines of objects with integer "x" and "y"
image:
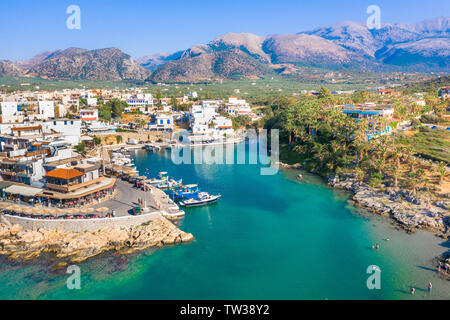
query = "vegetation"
{"x": 429, "y": 143}
{"x": 321, "y": 136}
{"x": 81, "y": 148}
{"x": 112, "y": 109}
{"x": 240, "y": 122}
{"x": 97, "y": 140}
{"x": 326, "y": 141}
{"x": 126, "y": 130}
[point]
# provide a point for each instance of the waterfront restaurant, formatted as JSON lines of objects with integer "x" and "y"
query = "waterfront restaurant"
{"x": 77, "y": 186}
{"x": 65, "y": 187}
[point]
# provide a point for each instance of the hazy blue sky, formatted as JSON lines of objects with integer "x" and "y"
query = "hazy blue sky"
{"x": 141, "y": 27}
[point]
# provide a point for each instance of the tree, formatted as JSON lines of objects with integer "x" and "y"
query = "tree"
{"x": 324, "y": 93}
{"x": 104, "y": 113}
{"x": 97, "y": 140}
{"x": 158, "y": 96}
{"x": 118, "y": 139}
{"x": 240, "y": 121}
{"x": 442, "y": 170}
{"x": 81, "y": 148}
{"x": 415, "y": 180}
{"x": 174, "y": 102}
{"x": 117, "y": 107}
{"x": 395, "y": 174}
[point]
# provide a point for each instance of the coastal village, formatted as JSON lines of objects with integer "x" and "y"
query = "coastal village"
{"x": 69, "y": 185}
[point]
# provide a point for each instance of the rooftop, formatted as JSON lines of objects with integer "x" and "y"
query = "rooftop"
{"x": 66, "y": 174}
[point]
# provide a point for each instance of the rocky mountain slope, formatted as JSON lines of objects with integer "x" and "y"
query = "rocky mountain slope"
{"x": 417, "y": 47}
{"x": 10, "y": 69}
{"x": 423, "y": 46}
{"x": 79, "y": 64}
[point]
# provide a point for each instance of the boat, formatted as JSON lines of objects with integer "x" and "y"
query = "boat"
{"x": 152, "y": 148}
{"x": 168, "y": 184}
{"x": 184, "y": 192}
{"x": 162, "y": 178}
{"x": 203, "y": 198}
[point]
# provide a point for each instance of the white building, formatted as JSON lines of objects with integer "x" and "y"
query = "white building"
{"x": 91, "y": 102}
{"x": 89, "y": 115}
{"x": 236, "y": 107}
{"x": 69, "y": 128}
{"x": 10, "y": 113}
{"x": 46, "y": 109}
{"x": 9, "y": 108}
{"x": 206, "y": 124}
{"x": 139, "y": 102}
{"x": 163, "y": 122}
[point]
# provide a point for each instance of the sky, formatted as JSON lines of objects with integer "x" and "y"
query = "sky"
{"x": 143, "y": 27}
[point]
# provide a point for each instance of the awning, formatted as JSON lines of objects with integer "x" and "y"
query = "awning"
{"x": 23, "y": 191}
{"x": 5, "y": 184}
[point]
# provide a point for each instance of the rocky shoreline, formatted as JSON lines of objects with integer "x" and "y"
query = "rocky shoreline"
{"x": 410, "y": 212}
{"x": 17, "y": 243}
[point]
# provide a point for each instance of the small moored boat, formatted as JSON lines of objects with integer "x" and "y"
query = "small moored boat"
{"x": 203, "y": 198}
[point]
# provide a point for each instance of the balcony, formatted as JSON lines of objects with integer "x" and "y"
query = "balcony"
{"x": 70, "y": 187}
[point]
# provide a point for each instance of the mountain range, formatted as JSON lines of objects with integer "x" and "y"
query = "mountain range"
{"x": 423, "y": 46}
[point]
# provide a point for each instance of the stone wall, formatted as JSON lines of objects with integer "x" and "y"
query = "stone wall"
{"x": 81, "y": 225}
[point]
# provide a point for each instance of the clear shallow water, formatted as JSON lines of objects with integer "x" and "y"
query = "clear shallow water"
{"x": 269, "y": 237}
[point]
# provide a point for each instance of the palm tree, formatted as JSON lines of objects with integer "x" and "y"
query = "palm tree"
{"x": 395, "y": 174}
{"x": 415, "y": 180}
{"x": 442, "y": 170}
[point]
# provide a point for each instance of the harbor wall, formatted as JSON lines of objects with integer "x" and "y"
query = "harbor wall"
{"x": 81, "y": 225}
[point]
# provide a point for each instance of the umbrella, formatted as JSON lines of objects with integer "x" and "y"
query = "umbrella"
{"x": 102, "y": 210}
{"x": 73, "y": 211}
{"x": 90, "y": 210}
{"x": 85, "y": 210}
{"x": 38, "y": 211}
{"x": 4, "y": 204}
{"x": 18, "y": 208}
{"x": 50, "y": 211}
{"x": 59, "y": 212}
{"x": 142, "y": 178}
{"x": 27, "y": 210}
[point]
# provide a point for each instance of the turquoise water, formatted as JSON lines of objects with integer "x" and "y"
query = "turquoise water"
{"x": 269, "y": 237}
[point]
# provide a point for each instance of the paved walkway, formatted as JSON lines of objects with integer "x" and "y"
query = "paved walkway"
{"x": 127, "y": 198}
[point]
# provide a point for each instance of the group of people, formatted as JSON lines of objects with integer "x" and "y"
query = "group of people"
{"x": 430, "y": 288}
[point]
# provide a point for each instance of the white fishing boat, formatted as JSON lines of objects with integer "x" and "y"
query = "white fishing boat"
{"x": 203, "y": 198}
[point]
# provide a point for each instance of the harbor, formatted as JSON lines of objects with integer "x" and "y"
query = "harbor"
{"x": 277, "y": 228}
